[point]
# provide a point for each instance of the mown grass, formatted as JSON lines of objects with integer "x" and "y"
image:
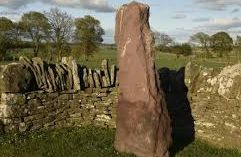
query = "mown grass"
{"x": 87, "y": 142}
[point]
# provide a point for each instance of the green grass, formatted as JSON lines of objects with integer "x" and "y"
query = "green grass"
{"x": 87, "y": 142}
{"x": 161, "y": 59}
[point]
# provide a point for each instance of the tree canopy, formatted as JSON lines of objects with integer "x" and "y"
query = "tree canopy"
{"x": 36, "y": 25}
{"x": 61, "y": 29}
{"x": 89, "y": 32}
{"x": 221, "y": 43}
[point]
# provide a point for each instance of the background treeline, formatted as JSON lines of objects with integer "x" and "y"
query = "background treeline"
{"x": 201, "y": 44}
{"x": 54, "y": 33}
{"x": 50, "y": 35}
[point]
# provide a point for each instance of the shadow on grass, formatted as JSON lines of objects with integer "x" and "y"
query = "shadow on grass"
{"x": 173, "y": 85}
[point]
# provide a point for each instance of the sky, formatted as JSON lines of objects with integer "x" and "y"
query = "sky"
{"x": 178, "y": 18}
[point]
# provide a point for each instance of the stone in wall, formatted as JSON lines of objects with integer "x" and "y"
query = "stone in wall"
{"x": 96, "y": 79}
{"x": 16, "y": 78}
{"x": 113, "y": 75}
{"x": 105, "y": 68}
{"x": 62, "y": 76}
{"x": 91, "y": 79}
{"x": 71, "y": 63}
{"x": 85, "y": 78}
{"x": 40, "y": 67}
{"x": 28, "y": 63}
{"x": 143, "y": 123}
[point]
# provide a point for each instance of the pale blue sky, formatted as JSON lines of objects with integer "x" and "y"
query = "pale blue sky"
{"x": 178, "y": 18}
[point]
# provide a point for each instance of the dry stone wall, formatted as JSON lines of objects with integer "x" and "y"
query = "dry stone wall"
{"x": 36, "y": 95}
{"x": 40, "y": 110}
{"x": 216, "y": 103}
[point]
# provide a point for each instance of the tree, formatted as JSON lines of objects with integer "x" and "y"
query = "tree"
{"x": 203, "y": 40}
{"x": 162, "y": 40}
{"x": 6, "y": 27}
{"x": 36, "y": 25}
{"x": 61, "y": 29}
{"x": 221, "y": 43}
{"x": 182, "y": 49}
{"x": 238, "y": 47}
{"x": 89, "y": 33}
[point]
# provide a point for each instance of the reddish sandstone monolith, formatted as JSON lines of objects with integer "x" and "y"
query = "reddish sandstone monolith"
{"x": 143, "y": 124}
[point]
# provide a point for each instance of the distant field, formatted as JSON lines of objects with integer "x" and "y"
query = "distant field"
{"x": 161, "y": 59}
{"x": 89, "y": 142}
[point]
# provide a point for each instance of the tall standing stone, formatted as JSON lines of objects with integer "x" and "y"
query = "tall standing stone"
{"x": 143, "y": 123}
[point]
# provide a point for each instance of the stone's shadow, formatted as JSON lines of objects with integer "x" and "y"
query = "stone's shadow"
{"x": 173, "y": 85}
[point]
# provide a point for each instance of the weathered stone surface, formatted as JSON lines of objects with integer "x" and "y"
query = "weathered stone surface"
{"x": 105, "y": 68}
{"x": 51, "y": 79}
{"x": 226, "y": 83}
{"x": 62, "y": 75}
{"x": 97, "y": 79}
{"x": 28, "y": 63}
{"x": 85, "y": 78}
{"x": 113, "y": 75}
{"x": 16, "y": 78}
{"x": 143, "y": 123}
{"x": 91, "y": 79}
{"x": 71, "y": 63}
{"x": 40, "y": 68}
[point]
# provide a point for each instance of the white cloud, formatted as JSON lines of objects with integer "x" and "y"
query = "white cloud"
{"x": 218, "y": 4}
{"x": 95, "y": 5}
{"x": 224, "y": 24}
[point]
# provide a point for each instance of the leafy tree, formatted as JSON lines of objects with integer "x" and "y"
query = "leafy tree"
{"x": 89, "y": 33}
{"x": 182, "y": 49}
{"x": 61, "y": 29}
{"x": 6, "y": 26}
{"x": 36, "y": 25}
{"x": 203, "y": 40}
{"x": 221, "y": 43}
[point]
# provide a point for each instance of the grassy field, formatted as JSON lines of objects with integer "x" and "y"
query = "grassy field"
{"x": 88, "y": 142}
{"x": 161, "y": 59}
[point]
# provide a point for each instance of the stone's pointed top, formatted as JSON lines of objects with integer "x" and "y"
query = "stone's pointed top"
{"x": 134, "y": 3}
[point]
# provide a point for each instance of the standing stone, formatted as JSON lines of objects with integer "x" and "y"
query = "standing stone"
{"x": 105, "y": 68}
{"x": 143, "y": 123}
